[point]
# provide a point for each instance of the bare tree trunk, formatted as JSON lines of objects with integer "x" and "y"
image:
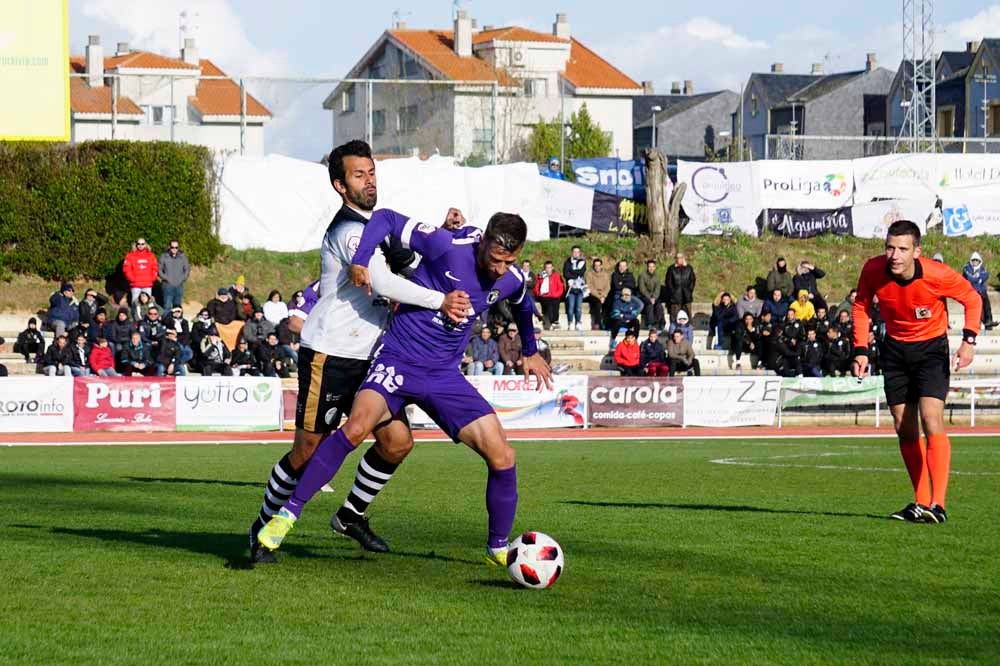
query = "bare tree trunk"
{"x": 656, "y": 208}
{"x": 672, "y": 237}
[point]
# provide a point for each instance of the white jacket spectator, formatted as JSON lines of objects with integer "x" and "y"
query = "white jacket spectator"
{"x": 275, "y": 310}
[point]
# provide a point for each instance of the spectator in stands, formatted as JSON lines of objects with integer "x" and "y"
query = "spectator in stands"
{"x": 141, "y": 306}
{"x": 227, "y": 317}
{"x": 168, "y": 360}
{"x": 649, "y": 294}
{"x": 30, "y": 342}
{"x": 549, "y": 290}
{"x": 529, "y": 275}
{"x": 174, "y": 272}
{"x": 243, "y": 362}
{"x": 683, "y": 325}
{"x": 627, "y": 356}
{"x": 215, "y": 355}
{"x": 58, "y": 358}
{"x": 780, "y": 278}
{"x": 175, "y": 320}
{"x": 274, "y": 362}
{"x": 79, "y": 365}
{"x": 803, "y": 307}
{"x": 120, "y": 330}
{"x": 846, "y": 305}
{"x": 574, "y": 270}
{"x": 509, "y": 348}
{"x": 821, "y": 323}
{"x": 679, "y": 286}
{"x": 543, "y": 346}
{"x": 599, "y": 286}
{"x": 653, "y": 356}
{"x": 724, "y": 320}
{"x": 500, "y": 315}
{"x": 680, "y": 356}
{"x": 749, "y": 303}
{"x": 812, "y": 355}
{"x": 63, "y": 311}
{"x": 844, "y": 325}
{"x": 102, "y": 359}
{"x": 624, "y": 315}
{"x": 805, "y": 278}
{"x": 101, "y": 327}
{"x": 256, "y": 330}
{"x": 246, "y": 304}
{"x": 275, "y": 309}
{"x": 790, "y": 362}
{"x": 485, "y": 355}
{"x": 554, "y": 169}
{"x": 466, "y": 361}
{"x": 200, "y": 328}
{"x": 141, "y": 269}
{"x": 792, "y": 327}
{"x": 238, "y": 292}
{"x": 777, "y": 305}
{"x": 90, "y": 305}
{"x": 767, "y": 341}
{"x": 977, "y": 275}
{"x": 745, "y": 340}
{"x": 288, "y": 339}
{"x": 134, "y": 358}
{"x": 837, "y": 357}
{"x": 621, "y": 279}
{"x": 152, "y": 330}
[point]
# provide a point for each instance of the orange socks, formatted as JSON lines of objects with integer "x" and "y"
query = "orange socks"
{"x": 939, "y": 464}
{"x": 915, "y": 457}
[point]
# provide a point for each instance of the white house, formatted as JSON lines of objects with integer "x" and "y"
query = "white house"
{"x": 161, "y": 99}
{"x": 527, "y": 70}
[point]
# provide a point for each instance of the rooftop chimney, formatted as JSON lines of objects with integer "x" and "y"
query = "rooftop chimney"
{"x": 688, "y": 87}
{"x": 489, "y": 27}
{"x": 475, "y": 25}
{"x": 972, "y": 47}
{"x": 400, "y": 25}
{"x": 871, "y": 63}
{"x": 647, "y": 87}
{"x": 561, "y": 27}
{"x": 675, "y": 87}
{"x": 778, "y": 68}
{"x": 122, "y": 49}
{"x": 463, "y": 34}
{"x": 189, "y": 53}
{"x": 95, "y": 62}
{"x": 817, "y": 69}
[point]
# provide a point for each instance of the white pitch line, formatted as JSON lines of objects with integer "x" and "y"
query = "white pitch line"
{"x": 750, "y": 462}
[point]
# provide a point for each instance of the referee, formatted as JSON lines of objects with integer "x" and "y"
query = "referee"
{"x": 911, "y": 297}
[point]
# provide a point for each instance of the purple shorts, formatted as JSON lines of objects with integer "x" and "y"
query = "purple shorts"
{"x": 445, "y": 394}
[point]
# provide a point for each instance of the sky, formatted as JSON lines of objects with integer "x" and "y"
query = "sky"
{"x": 716, "y": 44}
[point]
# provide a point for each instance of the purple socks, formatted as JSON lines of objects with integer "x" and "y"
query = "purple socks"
{"x": 501, "y": 504}
{"x": 322, "y": 467}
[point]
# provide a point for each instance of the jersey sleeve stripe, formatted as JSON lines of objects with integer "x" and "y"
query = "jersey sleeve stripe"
{"x": 407, "y": 234}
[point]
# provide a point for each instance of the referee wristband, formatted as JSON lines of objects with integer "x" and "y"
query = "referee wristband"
{"x": 860, "y": 351}
{"x": 969, "y": 336}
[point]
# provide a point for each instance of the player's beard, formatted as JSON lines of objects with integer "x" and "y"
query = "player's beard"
{"x": 361, "y": 200}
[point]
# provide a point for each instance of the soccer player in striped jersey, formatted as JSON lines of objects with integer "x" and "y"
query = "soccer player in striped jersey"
{"x": 337, "y": 341}
{"x": 911, "y": 295}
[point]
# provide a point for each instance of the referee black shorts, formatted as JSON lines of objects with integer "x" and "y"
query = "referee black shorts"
{"x": 914, "y": 370}
{"x": 327, "y": 385}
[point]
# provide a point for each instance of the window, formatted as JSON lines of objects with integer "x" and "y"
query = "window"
{"x": 157, "y": 115}
{"x": 375, "y": 71}
{"x": 994, "y": 120}
{"x": 408, "y": 67}
{"x": 753, "y": 105}
{"x": 378, "y": 123}
{"x": 946, "y": 122}
{"x": 347, "y": 99}
{"x": 406, "y": 119}
{"x": 536, "y": 87}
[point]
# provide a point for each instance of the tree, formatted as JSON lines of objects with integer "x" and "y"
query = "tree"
{"x": 584, "y": 138}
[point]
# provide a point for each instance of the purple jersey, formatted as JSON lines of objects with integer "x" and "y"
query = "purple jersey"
{"x": 449, "y": 263}
{"x": 310, "y": 297}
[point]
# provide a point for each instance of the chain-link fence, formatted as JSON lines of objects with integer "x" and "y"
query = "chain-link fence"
{"x": 806, "y": 147}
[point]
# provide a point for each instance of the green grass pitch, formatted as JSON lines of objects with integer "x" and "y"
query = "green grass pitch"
{"x": 137, "y": 555}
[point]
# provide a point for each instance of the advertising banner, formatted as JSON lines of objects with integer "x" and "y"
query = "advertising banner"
{"x": 229, "y": 403}
{"x": 614, "y": 215}
{"x": 719, "y": 199}
{"x": 970, "y": 215}
{"x": 635, "y": 401}
{"x": 872, "y": 220}
{"x": 810, "y": 223}
{"x": 36, "y": 404}
{"x": 622, "y": 178}
{"x": 519, "y": 404}
{"x": 968, "y": 174}
{"x": 124, "y": 404}
{"x": 566, "y": 203}
{"x": 899, "y": 176}
{"x": 730, "y": 401}
{"x": 824, "y": 391}
{"x": 804, "y": 184}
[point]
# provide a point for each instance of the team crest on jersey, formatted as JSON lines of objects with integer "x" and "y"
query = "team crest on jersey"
{"x": 352, "y": 244}
{"x": 426, "y": 228}
{"x": 493, "y": 296}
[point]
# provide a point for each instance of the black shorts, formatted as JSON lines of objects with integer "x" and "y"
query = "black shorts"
{"x": 327, "y": 385}
{"x": 915, "y": 370}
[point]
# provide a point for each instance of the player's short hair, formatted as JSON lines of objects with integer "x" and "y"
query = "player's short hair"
{"x": 355, "y": 148}
{"x": 507, "y": 230}
{"x": 905, "y": 228}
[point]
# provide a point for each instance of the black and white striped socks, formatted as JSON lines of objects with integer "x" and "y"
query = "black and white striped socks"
{"x": 280, "y": 487}
{"x": 372, "y": 475}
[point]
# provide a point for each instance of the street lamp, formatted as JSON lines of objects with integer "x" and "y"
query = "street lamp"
{"x": 656, "y": 109}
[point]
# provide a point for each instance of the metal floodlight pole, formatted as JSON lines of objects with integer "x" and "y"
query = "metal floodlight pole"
{"x": 493, "y": 119}
{"x": 655, "y": 109}
{"x": 371, "y": 114}
{"x": 243, "y": 117}
{"x": 173, "y": 110}
{"x": 114, "y": 108}
{"x": 742, "y": 92}
{"x": 562, "y": 123}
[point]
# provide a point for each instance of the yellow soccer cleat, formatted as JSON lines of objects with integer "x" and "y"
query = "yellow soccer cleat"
{"x": 496, "y": 557}
{"x": 272, "y": 534}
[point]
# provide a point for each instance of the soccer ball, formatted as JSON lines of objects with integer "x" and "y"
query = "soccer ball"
{"x": 535, "y": 560}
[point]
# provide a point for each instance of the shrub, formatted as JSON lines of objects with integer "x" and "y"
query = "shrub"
{"x": 74, "y": 210}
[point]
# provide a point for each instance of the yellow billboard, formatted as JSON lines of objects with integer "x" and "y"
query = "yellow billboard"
{"x": 34, "y": 70}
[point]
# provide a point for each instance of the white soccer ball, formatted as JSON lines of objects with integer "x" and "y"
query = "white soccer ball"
{"x": 535, "y": 560}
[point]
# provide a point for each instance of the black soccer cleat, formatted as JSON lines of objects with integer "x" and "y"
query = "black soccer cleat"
{"x": 261, "y": 555}
{"x": 935, "y": 514}
{"x": 911, "y": 513}
{"x": 360, "y": 532}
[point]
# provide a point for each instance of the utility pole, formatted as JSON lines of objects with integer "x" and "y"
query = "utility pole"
{"x": 920, "y": 119}
{"x": 985, "y": 78}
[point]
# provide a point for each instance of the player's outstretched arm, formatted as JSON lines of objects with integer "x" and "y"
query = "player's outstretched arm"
{"x": 535, "y": 366}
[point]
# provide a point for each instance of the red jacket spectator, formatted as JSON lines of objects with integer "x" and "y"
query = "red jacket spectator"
{"x": 556, "y": 286}
{"x": 140, "y": 268}
{"x": 627, "y": 353}
{"x": 101, "y": 358}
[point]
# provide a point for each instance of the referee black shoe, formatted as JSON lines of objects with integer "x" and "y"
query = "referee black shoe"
{"x": 360, "y": 532}
{"x": 911, "y": 513}
{"x": 935, "y": 514}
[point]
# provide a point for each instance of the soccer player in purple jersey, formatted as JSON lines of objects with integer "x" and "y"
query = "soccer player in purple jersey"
{"x": 418, "y": 362}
